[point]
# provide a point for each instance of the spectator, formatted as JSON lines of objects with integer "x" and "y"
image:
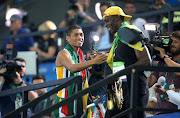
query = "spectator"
{"x": 77, "y": 14}
{"x": 104, "y": 35}
{"x": 158, "y": 5}
{"x": 20, "y": 44}
{"x": 172, "y": 79}
{"x": 45, "y": 103}
{"x": 14, "y": 101}
{"x": 130, "y": 9}
{"x": 47, "y": 47}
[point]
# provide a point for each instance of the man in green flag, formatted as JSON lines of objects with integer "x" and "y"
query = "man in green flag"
{"x": 70, "y": 62}
{"x": 128, "y": 49}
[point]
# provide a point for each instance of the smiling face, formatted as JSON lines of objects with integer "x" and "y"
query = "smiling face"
{"x": 175, "y": 46}
{"x": 76, "y": 38}
{"x": 113, "y": 23}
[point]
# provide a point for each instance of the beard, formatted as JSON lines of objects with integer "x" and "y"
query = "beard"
{"x": 175, "y": 52}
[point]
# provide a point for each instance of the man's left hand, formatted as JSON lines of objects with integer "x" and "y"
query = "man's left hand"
{"x": 161, "y": 50}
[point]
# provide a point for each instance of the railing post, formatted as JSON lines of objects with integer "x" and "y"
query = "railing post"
{"x": 170, "y": 22}
{"x": 133, "y": 93}
{"x": 79, "y": 100}
{"x": 24, "y": 101}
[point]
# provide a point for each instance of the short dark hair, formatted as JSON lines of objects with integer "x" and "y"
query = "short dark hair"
{"x": 72, "y": 27}
{"x": 130, "y": 2}
{"x": 104, "y": 4}
{"x": 19, "y": 59}
{"x": 176, "y": 34}
{"x": 37, "y": 77}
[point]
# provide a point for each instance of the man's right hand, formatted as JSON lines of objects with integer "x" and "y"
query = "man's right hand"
{"x": 100, "y": 58}
{"x": 17, "y": 79}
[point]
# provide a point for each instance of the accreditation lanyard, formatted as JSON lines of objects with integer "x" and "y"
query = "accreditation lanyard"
{"x": 174, "y": 75}
{"x": 169, "y": 86}
{"x": 45, "y": 104}
{"x": 13, "y": 86}
{"x": 18, "y": 101}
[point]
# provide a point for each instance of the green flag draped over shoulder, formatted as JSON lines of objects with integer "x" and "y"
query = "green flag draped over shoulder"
{"x": 68, "y": 110}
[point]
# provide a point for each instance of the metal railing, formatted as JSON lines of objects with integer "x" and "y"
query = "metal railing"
{"x": 62, "y": 83}
{"x": 133, "y": 70}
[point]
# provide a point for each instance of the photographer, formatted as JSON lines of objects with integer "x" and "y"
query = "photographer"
{"x": 172, "y": 79}
{"x": 77, "y": 14}
{"x": 14, "y": 101}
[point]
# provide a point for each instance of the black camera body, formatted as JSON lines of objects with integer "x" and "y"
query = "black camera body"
{"x": 11, "y": 68}
{"x": 98, "y": 69}
{"x": 158, "y": 41}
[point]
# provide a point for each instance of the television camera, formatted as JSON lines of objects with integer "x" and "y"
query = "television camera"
{"x": 158, "y": 40}
{"x": 10, "y": 65}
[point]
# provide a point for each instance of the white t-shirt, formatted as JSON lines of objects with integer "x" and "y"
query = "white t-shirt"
{"x": 174, "y": 97}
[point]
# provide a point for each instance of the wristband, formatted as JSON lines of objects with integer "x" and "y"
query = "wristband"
{"x": 20, "y": 83}
{"x": 1, "y": 85}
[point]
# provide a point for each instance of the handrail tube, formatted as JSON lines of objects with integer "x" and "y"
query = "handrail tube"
{"x": 39, "y": 33}
{"x": 107, "y": 80}
{"x": 62, "y": 103}
{"x": 155, "y": 12}
{"x": 98, "y": 84}
{"x": 35, "y": 87}
{"x": 122, "y": 113}
{"x": 157, "y": 68}
{"x": 159, "y": 109}
{"x": 70, "y": 81}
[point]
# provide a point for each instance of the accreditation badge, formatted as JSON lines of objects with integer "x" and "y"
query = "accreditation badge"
{"x": 171, "y": 87}
{"x": 117, "y": 66}
{"x": 18, "y": 103}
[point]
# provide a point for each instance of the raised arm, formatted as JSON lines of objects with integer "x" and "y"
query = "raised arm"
{"x": 168, "y": 61}
{"x": 64, "y": 60}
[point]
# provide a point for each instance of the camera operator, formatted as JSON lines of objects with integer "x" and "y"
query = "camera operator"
{"x": 14, "y": 101}
{"x": 172, "y": 79}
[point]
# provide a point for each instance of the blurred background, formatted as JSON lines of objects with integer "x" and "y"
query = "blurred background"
{"x": 54, "y": 16}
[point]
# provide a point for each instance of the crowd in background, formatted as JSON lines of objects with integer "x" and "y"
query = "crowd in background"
{"x": 47, "y": 45}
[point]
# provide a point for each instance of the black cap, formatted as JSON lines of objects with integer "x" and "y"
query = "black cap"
{"x": 15, "y": 17}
